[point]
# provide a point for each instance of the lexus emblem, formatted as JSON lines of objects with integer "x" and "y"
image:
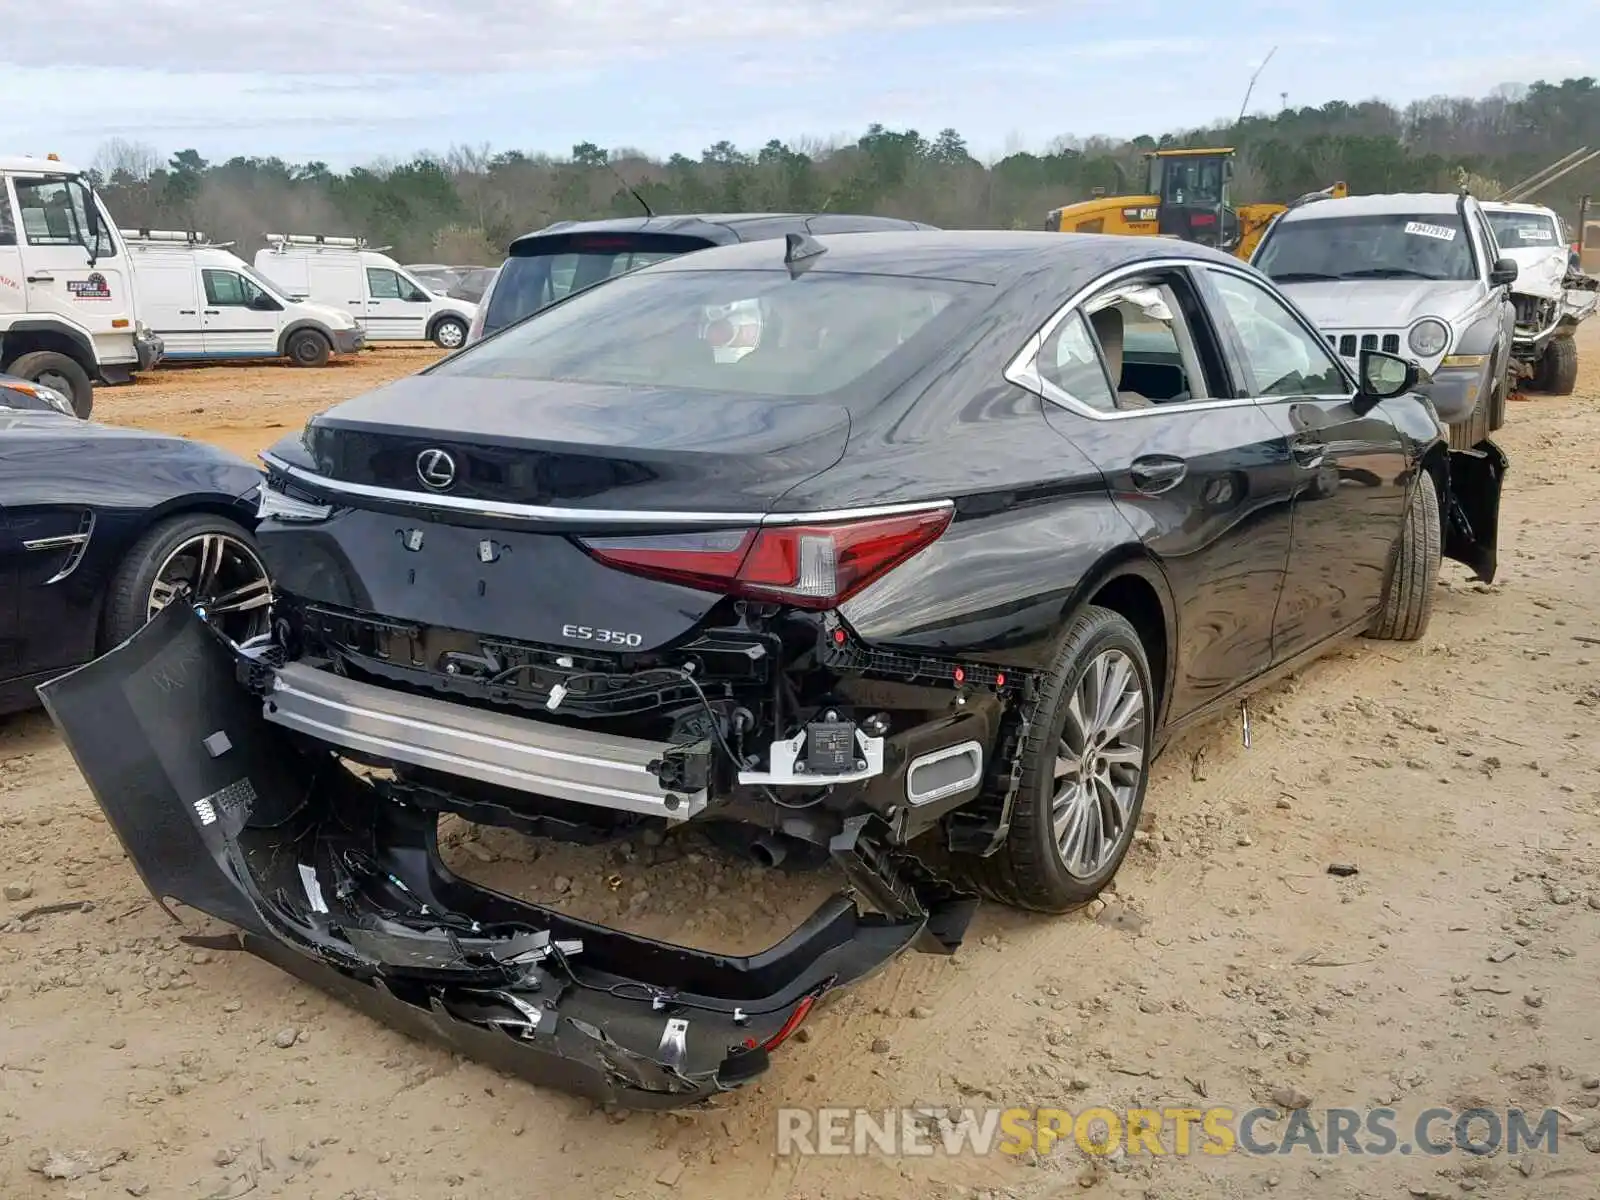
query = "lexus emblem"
{"x": 436, "y": 469}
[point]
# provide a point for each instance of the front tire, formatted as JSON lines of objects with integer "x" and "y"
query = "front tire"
{"x": 1558, "y": 367}
{"x": 59, "y": 372}
{"x": 450, "y": 333}
{"x": 1408, "y": 602}
{"x": 308, "y": 348}
{"x": 1085, "y": 766}
{"x": 210, "y": 561}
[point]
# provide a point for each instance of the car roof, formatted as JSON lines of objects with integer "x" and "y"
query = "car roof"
{"x": 1421, "y": 203}
{"x": 25, "y": 164}
{"x": 988, "y": 256}
{"x": 1516, "y": 206}
{"x": 722, "y": 228}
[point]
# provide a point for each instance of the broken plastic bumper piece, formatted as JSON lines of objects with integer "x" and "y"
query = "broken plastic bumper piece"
{"x": 339, "y": 881}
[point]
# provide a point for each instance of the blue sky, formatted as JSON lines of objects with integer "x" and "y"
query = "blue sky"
{"x": 356, "y": 80}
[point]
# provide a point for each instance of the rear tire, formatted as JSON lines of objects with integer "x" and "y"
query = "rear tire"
{"x": 60, "y": 372}
{"x": 1558, "y": 367}
{"x": 1031, "y": 869}
{"x": 308, "y": 348}
{"x": 450, "y": 333}
{"x": 1408, "y": 602}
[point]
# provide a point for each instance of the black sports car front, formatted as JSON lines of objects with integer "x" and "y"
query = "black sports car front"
{"x": 783, "y": 538}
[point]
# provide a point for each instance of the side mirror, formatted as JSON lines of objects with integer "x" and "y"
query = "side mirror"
{"x": 1383, "y": 376}
{"x": 1503, "y": 272}
{"x": 264, "y": 303}
{"x": 91, "y": 224}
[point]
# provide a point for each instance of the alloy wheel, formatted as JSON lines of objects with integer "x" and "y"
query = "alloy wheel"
{"x": 223, "y": 578}
{"x": 1099, "y": 764}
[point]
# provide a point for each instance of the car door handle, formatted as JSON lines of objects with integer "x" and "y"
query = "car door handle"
{"x": 213, "y": 312}
{"x": 42, "y": 277}
{"x": 1308, "y": 454}
{"x": 1155, "y": 475}
{"x": 186, "y": 312}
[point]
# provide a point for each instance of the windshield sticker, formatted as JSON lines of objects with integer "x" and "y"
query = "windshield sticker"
{"x": 1535, "y": 235}
{"x": 1422, "y": 229}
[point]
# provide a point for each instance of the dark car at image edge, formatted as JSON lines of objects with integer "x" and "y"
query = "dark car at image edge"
{"x": 903, "y": 553}
{"x": 103, "y": 526}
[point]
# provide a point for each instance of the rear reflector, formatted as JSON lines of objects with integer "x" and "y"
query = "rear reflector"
{"x": 806, "y": 566}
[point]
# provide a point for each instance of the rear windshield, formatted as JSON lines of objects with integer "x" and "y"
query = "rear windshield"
{"x": 745, "y": 332}
{"x": 1387, "y": 246}
{"x": 529, "y": 282}
{"x": 1524, "y": 231}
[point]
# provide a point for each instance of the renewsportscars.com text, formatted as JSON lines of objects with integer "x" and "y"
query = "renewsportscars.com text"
{"x": 1163, "y": 1131}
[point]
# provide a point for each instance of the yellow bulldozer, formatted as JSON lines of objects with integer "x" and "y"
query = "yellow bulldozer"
{"x": 1187, "y": 198}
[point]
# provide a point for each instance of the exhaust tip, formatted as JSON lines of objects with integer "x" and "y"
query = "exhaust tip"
{"x": 946, "y": 772}
{"x": 768, "y": 851}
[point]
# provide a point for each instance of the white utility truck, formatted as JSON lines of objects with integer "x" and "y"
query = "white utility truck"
{"x": 385, "y": 299}
{"x": 207, "y": 303}
{"x": 68, "y": 312}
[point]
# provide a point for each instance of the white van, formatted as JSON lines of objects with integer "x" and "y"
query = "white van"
{"x": 385, "y": 299}
{"x": 68, "y": 314}
{"x": 206, "y": 303}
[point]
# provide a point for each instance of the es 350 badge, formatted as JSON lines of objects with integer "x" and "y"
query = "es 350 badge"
{"x": 92, "y": 288}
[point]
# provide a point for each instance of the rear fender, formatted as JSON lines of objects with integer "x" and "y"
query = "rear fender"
{"x": 337, "y": 881}
{"x": 1471, "y": 514}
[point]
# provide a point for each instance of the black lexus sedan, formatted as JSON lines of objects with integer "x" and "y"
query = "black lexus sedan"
{"x": 900, "y": 551}
{"x": 102, "y": 526}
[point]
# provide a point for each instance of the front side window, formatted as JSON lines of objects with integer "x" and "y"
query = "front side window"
{"x": 383, "y": 284}
{"x": 54, "y": 213}
{"x": 1283, "y": 358}
{"x": 229, "y": 289}
{"x": 734, "y": 332}
{"x": 1379, "y": 246}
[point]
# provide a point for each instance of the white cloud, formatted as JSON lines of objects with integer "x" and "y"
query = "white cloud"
{"x": 441, "y": 36}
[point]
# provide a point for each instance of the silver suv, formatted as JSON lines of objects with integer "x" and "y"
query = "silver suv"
{"x": 1413, "y": 274}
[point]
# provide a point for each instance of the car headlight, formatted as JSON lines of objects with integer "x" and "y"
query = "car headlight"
{"x": 59, "y": 401}
{"x": 282, "y": 507}
{"x": 1429, "y": 337}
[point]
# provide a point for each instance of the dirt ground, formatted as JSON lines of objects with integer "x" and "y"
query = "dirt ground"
{"x": 1458, "y": 968}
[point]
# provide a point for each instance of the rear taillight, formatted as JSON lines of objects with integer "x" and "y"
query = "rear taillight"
{"x": 806, "y": 566}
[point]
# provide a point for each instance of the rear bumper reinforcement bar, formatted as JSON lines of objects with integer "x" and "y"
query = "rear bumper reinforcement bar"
{"x": 336, "y": 879}
{"x": 515, "y": 752}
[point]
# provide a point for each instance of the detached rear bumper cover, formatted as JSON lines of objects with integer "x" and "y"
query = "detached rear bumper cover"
{"x": 341, "y": 884}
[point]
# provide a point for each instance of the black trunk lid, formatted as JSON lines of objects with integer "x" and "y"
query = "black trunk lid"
{"x": 561, "y": 444}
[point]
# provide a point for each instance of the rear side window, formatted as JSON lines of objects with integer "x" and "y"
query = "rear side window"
{"x": 568, "y": 264}
{"x": 739, "y": 332}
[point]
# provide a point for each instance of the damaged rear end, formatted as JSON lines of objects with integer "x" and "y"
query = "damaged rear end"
{"x": 551, "y": 586}
{"x": 337, "y": 879}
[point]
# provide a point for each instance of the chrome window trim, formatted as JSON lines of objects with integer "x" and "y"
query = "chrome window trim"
{"x": 591, "y": 516}
{"x": 1023, "y": 369}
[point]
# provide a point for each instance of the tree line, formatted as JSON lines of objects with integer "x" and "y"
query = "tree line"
{"x": 465, "y": 205}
